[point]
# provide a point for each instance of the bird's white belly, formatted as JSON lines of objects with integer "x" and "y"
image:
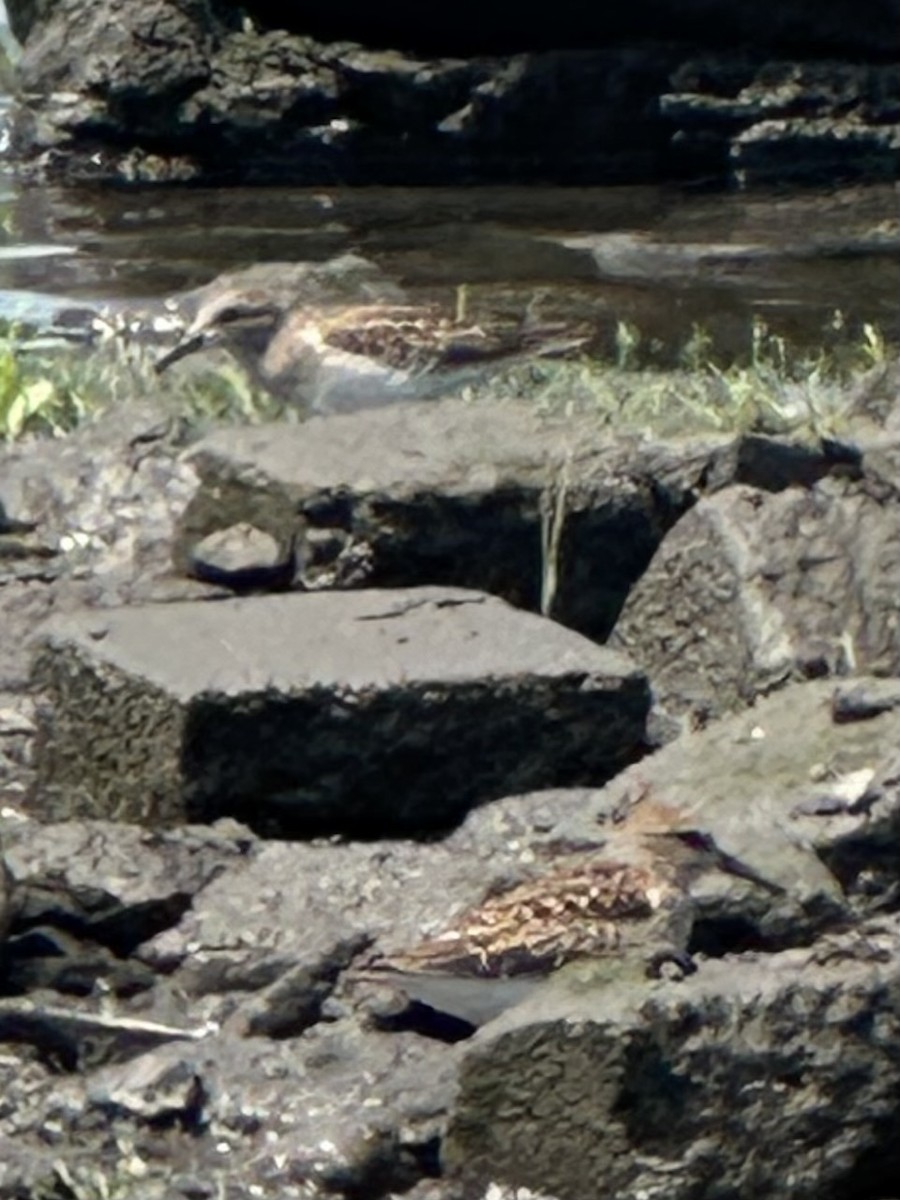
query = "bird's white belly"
{"x": 304, "y": 369}
{"x": 343, "y": 382}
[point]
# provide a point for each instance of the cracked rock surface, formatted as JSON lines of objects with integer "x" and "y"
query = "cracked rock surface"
{"x": 188, "y": 1007}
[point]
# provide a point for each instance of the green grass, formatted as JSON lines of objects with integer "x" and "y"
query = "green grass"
{"x": 777, "y": 389}
{"x": 52, "y": 392}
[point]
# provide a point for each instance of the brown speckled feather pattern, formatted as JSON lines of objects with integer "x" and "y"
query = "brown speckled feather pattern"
{"x": 346, "y": 356}
{"x": 583, "y": 908}
{"x": 408, "y": 338}
{"x": 631, "y": 893}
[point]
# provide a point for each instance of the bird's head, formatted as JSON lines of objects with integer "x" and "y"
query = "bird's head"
{"x": 694, "y": 851}
{"x": 241, "y": 320}
{"x": 678, "y": 835}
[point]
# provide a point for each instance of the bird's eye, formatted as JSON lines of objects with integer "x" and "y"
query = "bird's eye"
{"x": 246, "y": 313}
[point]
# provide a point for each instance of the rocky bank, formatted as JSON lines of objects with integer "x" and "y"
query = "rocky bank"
{"x": 292, "y": 694}
{"x": 205, "y": 90}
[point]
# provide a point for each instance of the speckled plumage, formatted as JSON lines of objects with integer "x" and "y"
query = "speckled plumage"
{"x": 633, "y": 893}
{"x": 406, "y": 338}
{"x": 583, "y": 908}
{"x": 331, "y": 357}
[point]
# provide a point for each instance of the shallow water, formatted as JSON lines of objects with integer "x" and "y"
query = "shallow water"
{"x": 660, "y": 258}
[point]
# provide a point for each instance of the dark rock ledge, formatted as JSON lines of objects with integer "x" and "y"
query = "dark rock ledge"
{"x": 190, "y": 90}
{"x": 183, "y": 1013}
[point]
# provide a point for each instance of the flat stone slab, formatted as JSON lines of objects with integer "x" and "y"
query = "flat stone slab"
{"x": 370, "y": 712}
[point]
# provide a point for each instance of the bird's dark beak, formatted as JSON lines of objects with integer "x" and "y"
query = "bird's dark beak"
{"x": 188, "y": 345}
{"x": 735, "y": 866}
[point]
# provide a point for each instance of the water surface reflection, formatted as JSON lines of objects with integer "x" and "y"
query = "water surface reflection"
{"x": 659, "y": 258}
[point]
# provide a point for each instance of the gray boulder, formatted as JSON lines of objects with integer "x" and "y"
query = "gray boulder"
{"x": 355, "y": 712}
{"x": 86, "y": 894}
{"x": 188, "y": 89}
{"x": 796, "y": 786}
{"x": 769, "y": 1076}
{"x": 750, "y": 590}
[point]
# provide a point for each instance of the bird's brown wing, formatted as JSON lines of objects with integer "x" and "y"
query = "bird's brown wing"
{"x": 538, "y": 925}
{"x": 411, "y": 338}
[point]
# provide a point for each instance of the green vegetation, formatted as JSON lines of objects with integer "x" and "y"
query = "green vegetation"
{"x": 775, "y": 390}
{"x": 48, "y": 391}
